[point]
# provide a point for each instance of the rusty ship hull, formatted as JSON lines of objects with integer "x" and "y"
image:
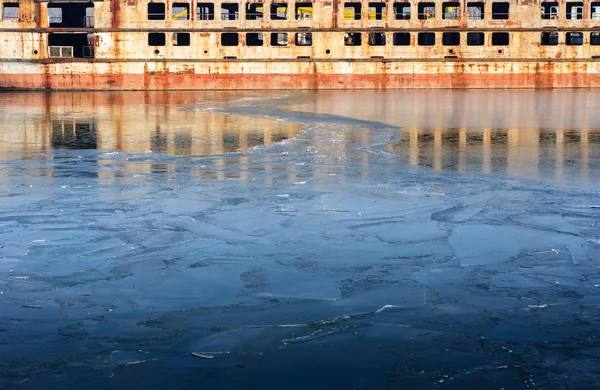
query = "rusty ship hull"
{"x": 254, "y": 44}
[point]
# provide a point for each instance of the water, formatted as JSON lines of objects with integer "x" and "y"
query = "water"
{"x": 253, "y": 240}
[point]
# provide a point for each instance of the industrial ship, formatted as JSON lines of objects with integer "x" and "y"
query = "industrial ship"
{"x": 323, "y": 44}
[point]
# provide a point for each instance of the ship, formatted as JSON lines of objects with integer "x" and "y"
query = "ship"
{"x": 287, "y": 45}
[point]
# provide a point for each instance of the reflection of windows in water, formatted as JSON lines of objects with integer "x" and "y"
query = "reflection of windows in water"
{"x": 158, "y": 142}
{"x": 73, "y": 135}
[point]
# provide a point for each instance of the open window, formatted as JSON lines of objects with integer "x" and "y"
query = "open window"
{"x": 353, "y": 39}
{"x": 71, "y": 15}
{"x": 377, "y": 11}
{"x": 230, "y": 11}
{"x": 254, "y": 39}
{"x": 279, "y": 11}
{"x": 475, "y": 39}
{"x": 10, "y": 12}
{"x": 426, "y": 11}
{"x": 451, "y": 11}
{"x": 549, "y": 39}
{"x": 181, "y": 11}
{"x": 206, "y": 11}
{"x": 574, "y": 10}
{"x": 426, "y": 39}
{"x": 500, "y": 39}
{"x": 279, "y": 39}
{"x": 71, "y": 45}
{"x": 156, "y": 11}
{"x": 401, "y": 39}
{"x": 352, "y": 11}
{"x": 595, "y": 10}
{"x": 303, "y": 39}
{"x": 304, "y": 11}
{"x": 157, "y": 39}
{"x": 229, "y": 39}
{"x": 181, "y": 39}
{"x": 574, "y": 38}
{"x": 254, "y": 11}
{"x": 475, "y": 11}
{"x": 500, "y": 10}
{"x": 595, "y": 38}
{"x": 549, "y": 10}
{"x": 451, "y": 39}
{"x": 377, "y": 39}
{"x": 402, "y": 11}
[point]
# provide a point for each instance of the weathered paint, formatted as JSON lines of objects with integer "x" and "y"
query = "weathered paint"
{"x": 124, "y": 60}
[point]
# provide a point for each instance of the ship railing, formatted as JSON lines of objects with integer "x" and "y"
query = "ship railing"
{"x": 60, "y": 51}
{"x": 88, "y": 52}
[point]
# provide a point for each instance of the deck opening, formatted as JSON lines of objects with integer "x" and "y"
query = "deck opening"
{"x": 575, "y": 10}
{"x": 426, "y": 39}
{"x": 500, "y": 39}
{"x": 254, "y": 39}
{"x": 549, "y": 10}
{"x": 352, "y": 11}
{"x": 500, "y": 10}
{"x": 71, "y": 15}
{"x": 549, "y": 39}
{"x": 71, "y": 45}
{"x": 229, "y": 39}
{"x": 303, "y": 39}
{"x": 279, "y": 39}
{"x": 157, "y": 39}
{"x": 451, "y": 39}
{"x": 181, "y": 39}
{"x": 180, "y": 11}
{"x": 353, "y": 39}
{"x": 254, "y": 11}
{"x": 10, "y": 12}
{"x": 230, "y": 11}
{"x": 401, "y": 39}
{"x": 377, "y": 11}
{"x": 377, "y": 39}
{"x": 451, "y": 11}
{"x": 205, "y": 11}
{"x": 475, "y": 11}
{"x": 475, "y": 39}
{"x": 279, "y": 11}
{"x": 156, "y": 11}
{"x": 304, "y": 11}
{"x": 402, "y": 11}
{"x": 426, "y": 11}
{"x": 574, "y": 38}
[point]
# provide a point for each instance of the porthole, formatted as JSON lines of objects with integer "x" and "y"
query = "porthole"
{"x": 156, "y": 51}
{"x": 327, "y": 51}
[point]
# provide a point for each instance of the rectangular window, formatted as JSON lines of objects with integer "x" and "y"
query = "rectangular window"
{"x": 206, "y": 11}
{"x": 575, "y": 11}
{"x": 475, "y": 11}
{"x": 402, "y": 11}
{"x": 549, "y": 38}
{"x": 574, "y": 38}
{"x": 156, "y": 11}
{"x": 377, "y": 11}
{"x": 475, "y": 39}
{"x": 279, "y": 11}
{"x": 303, "y": 39}
{"x": 254, "y": 11}
{"x": 595, "y": 38}
{"x": 181, "y": 39}
{"x": 156, "y": 39}
{"x": 10, "y": 12}
{"x": 426, "y": 39}
{"x": 500, "y": 10}
{"x": 352, "y": 11}
{"x": 500, "y": 39}
{"x": 451, "y": 39}
{"x": 451, "y": 11}
{"x": 181, "y": 11}
{"x": 377, "y": 39}
{"x": 229, "y": 39}
{"x": 549, "y": 10}
{"x": 304, "y": 11}
{"x": 353, "y": 39}
{"x": 230, "y": 11}
{"x": 255, "y": 39}
{"x": 426, "y": 11}
{"x": 55, "y": 15}
{"x": 595, "y": 10}
{"x": 279, "y": 39}
{"x": 401, "y": 39}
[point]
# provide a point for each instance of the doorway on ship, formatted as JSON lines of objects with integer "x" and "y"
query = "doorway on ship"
{"x": 75, "y": 45}
{"x": 71, "y": 14}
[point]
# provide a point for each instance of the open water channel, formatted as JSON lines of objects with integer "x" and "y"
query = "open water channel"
{"x": 300, "y": 240}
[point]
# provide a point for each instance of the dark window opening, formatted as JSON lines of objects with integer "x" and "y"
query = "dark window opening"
{"x": 475, "y": 39}
{"x": 574, "y": 38}
{"x": 181, "y": 39}
{"x": 255, "y": 39}
{"x": 549, "y": 38}
{"x": 575, "y": 11}
{"x": 352, "y": 11}
{"x": 80, "y": 45}
{"x": 279, "y": 11}
{"x": 157, "y": 39}
{"x": 426, "y": 11}
{"x": 451, "y": 11}
{"x": 67, "y": 15}
{"x": 10, "y": 12}
{"x": 206, "y": 11}
{"x": 500, "y": 10}
{"x": 401, "y": 39}
{"x": 279, "y": 39}
{"x": 303, "y": 39}
{"x": 230, "y": 11}
{"x": 475, "y": 11}
{"x": 377, "y": 39}
{"x": 377, "y": 11}
{"x": 304, "y": 11}
{"x": 451, "y": 39}
{"x": 500, "y": 39}
{"x": 402, "y": 11}
{"x": 549, "y": 10}
{"x": 181, "y": 11}
{"x": 595, "y": 10}
{"x": 595, "y": 38}
{"x": 156, "y": 11}
{"x": 254, "y": 11}
{"x": 353, "y": 39}
{"x": 426, "y": 39}
{"x": 229, "y": 39}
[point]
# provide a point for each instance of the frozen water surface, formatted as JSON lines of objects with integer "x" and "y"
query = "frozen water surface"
{"x": 331, "y": 240}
